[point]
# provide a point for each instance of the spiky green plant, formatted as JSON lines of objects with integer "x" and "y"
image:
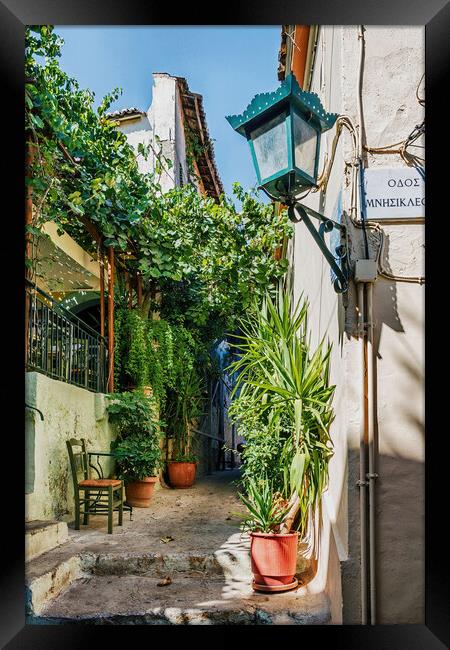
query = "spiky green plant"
{"x": 185, "y": 402}
{"x": 288, "y": 387}
{"x": 266, "y": 508}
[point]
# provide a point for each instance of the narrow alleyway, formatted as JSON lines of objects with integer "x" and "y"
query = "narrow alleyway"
{"x": 181, "y": 561}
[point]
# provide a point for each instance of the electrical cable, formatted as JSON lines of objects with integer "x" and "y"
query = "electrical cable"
{"x": 421, "y": 101}
{"x": 345, "y": 121}
{"x": 360, "y": 128}
{"x": 415, "y": 134}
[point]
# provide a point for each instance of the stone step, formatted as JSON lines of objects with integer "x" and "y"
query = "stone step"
{"x": 192, "y": 598}
{"x": 42, "y": 536}
{"x": 52, "y": 574}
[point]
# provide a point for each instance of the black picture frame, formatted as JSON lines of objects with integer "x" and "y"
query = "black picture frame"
{"x": 14, "y": 15}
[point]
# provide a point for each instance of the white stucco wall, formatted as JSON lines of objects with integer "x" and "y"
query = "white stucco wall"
{"x": 69, "y": 412}
{"x": 139, "y": 131}
{"x": 163, "y": 120}
{"x": 393, "y": 66}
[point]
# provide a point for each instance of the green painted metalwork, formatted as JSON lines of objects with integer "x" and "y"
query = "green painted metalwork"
{"x": 288, "y": 91}
{"x": 304, "y": 118}
{"x": 286, "y": 105}
{"x": 341, "y": 282}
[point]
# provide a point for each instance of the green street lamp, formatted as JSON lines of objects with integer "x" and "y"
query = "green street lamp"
{"x": 283, "y": 129}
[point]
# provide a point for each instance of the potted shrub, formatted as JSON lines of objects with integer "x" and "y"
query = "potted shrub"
{"x": 136, "y": 449}
{"x": 184, "y": 404}
{"x": 273, "y": 553}
{"x": 138, "y": 458}
{"x": 284, "y": 411}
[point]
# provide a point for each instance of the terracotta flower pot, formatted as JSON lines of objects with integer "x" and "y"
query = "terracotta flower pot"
{"x": 274, "y": 561}
{"x": 139, "y": 493}
{"x": 181, "y": 475}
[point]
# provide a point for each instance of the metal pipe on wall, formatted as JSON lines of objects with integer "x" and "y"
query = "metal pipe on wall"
{"x": 371, "y": 476}
{"x": 367, "y": 477}
{"x": 367, "y": 480}
{"x": 362, "y": 483}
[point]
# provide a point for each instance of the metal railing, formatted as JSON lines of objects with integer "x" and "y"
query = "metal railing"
{"x": 62, "y": 346}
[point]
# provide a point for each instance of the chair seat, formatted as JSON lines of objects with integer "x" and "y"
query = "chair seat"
{"x": 99, "y": 482}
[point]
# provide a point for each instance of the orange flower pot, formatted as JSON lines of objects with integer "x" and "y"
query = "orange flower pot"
{"x": 181, "y": 475}
{"x": 274, "y": 560}
{"x": 139, "y": 493}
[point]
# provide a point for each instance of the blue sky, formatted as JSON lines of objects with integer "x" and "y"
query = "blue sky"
{"x": 227, "y": 65}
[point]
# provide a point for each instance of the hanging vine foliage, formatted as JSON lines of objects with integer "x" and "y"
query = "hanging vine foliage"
{"x": 206, "y": 260}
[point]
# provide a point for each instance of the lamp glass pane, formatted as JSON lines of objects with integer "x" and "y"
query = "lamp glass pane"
{"x": 305, "y": 145}
{"x": 270, "y": 145}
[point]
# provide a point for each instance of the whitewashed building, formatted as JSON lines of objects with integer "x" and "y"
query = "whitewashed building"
{"x": 371, "y": 557}
{"x": 175, "y": 126}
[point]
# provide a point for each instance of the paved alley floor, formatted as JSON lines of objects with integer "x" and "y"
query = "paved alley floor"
{"x": 199, "y": 518}
{"x": 184, "y": 560}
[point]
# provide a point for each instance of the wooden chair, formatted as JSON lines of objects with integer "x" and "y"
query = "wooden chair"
{"x": 104, "y": 500}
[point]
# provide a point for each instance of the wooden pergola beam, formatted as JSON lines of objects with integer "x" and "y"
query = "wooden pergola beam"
{"x": 139, "y": 289}
{"x": 111, "y": 277}
{"x": 102, "y": 291}
{"x": 28, "y": 237}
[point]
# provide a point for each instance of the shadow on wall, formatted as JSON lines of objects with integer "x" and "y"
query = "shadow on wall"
{"x": 399, "y": 495}
{"x": 400, "y": 541}
{"x": 400, "y": 550}
{"x": 385, "y": 302}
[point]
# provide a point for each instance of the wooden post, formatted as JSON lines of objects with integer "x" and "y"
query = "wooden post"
{"x": 101, "y": 262}
{"x": 28, "y": 237}
{"x": 139, "y": 289}
{"x": 130, "y": 290}
{"x": 110, "y": 319}
{"x": 102, "y": 292}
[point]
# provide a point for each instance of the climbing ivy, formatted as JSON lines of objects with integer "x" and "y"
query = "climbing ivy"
{"x": 153, "y": 353}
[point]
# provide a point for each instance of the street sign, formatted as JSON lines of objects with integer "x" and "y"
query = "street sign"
{"x": 395, "y": 193}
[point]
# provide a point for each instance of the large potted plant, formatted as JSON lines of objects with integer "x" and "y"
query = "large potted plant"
{"x": 284, "y": 406}
{"x": 184, "y": 404}
{"x": 137, "y": 446}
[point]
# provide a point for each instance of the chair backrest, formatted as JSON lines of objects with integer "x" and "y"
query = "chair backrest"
{"x": 79, "y": 463}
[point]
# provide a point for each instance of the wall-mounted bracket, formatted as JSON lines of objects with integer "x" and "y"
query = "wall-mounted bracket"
{"x": 298, "y": 212}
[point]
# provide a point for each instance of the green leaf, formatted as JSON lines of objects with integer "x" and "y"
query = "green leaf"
{"x": 37, "y": 121}
{"x": 33, "y": 230}
{"x": 297, "y": 472}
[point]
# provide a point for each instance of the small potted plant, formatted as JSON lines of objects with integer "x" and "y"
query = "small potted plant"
{"x": 273, "y": 552}
{"x": 138, "y": 458}
{"x": 137, "y": 447}
{"x": 184, "y": 404}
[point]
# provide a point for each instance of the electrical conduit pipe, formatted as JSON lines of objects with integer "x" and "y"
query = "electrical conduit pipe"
{"x": 362, "y": 457}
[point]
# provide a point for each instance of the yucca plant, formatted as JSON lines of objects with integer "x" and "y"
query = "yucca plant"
{"x": 184, "y": 403}
{"x": 288, "y": 387}
{"x": 267, "y": 508}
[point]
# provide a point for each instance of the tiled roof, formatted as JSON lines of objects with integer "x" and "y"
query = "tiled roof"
{"x": 282, "y": 54}
{"x": 195, "y": 120}
{"x": 125, "y": 112}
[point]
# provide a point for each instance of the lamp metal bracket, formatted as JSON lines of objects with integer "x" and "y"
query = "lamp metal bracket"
{"x": 298, "y": 212}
